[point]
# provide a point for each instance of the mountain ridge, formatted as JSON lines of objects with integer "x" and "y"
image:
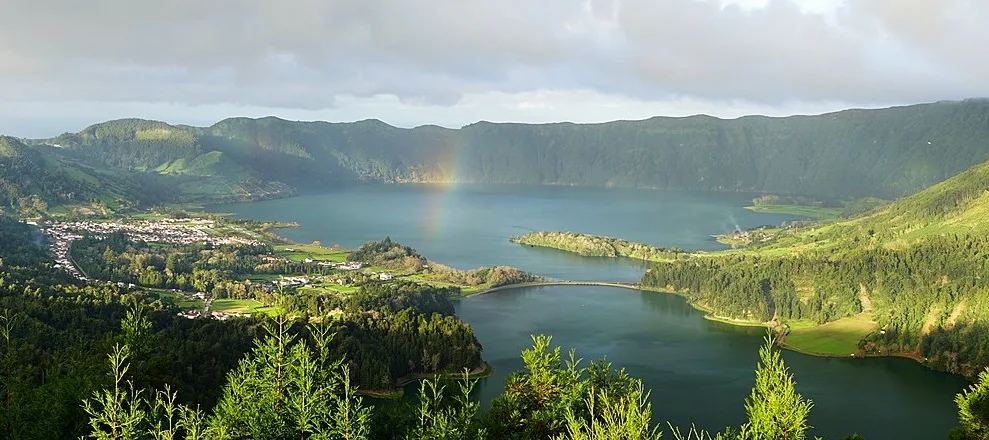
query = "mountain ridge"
{"x": 886, "y": 153}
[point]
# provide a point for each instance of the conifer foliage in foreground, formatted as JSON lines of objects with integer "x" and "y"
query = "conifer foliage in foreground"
{"x": 289, "y": 387}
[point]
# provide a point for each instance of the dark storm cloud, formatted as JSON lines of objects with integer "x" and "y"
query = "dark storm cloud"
{"x": 308, "y": 53}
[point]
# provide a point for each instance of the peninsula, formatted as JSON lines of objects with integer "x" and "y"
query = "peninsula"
{"x": 590, "y": 245}
{"x": 859, "y": 286}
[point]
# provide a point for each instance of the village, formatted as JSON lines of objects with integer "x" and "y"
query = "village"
{"x": 60, "y": 236}
{"x": 172, "y": 231}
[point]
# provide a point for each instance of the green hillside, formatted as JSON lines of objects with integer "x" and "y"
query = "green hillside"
{"x": 910, "y": 278}
{"x": 886, "y": 153}
{"x": 133, "y": 143}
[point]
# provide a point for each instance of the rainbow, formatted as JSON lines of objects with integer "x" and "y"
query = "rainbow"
{"x": 445, "y": 181}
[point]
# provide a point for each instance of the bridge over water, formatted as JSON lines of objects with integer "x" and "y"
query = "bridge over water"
{"x": 623, "y": 285}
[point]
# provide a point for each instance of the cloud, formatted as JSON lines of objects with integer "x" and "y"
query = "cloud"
{"x": 311, "y": 54}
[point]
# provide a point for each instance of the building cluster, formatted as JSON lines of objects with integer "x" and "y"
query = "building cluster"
{"x": 293, "y": 281}
{"x": 62, "y": 234}
{"x": 219, "y": 316}
{"x": 164, "y": 231}
{"x": 350, "y": 265}
{"x": 59, "y": 240}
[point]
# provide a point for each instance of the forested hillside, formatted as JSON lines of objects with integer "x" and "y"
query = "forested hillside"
{"x": 33, "y": 179}
{"x": 916, "y": 269}
{"x": 887, "y": 153}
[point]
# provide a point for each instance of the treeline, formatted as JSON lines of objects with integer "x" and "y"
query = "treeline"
{"x": 194, "y": 267}
{"x": 485, "y": 276}
{"x": 774, "y": 199}
{"x": 927, "y": 297}
{"x": 386, "y": 253}
{"x": 590, "y": 245}
{"x": 389, "y": 331}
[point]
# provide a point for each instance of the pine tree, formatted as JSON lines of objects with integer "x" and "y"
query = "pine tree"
{"x": 624, "y": 417}
{"x": 117, "y": 413}
{"x": 973, "y": 411}
{"x": 775, "y": 410}
{"x": 438, "y": 418}
{"x": 282, "y": 389}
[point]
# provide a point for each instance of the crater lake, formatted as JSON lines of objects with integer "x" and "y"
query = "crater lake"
{"x": 699, "y": 371}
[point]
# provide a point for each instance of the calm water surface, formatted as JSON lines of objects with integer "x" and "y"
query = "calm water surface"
{"x": 469, "y": 226}
{"x": 700, "y": 371}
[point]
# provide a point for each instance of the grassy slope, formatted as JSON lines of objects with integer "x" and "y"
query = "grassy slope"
{"x": 59, "y": 180}
{"x": 836, "y": 338}
{"x": 300, "y": 252}
{"x": 230, "y": 305}
{"x": 959, "y": 205}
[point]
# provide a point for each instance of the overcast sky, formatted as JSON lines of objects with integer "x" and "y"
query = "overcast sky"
{"x": 65, "y": 63}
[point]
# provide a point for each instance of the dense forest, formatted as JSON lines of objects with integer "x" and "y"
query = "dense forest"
{"x": 57, "y": 333}
{"x": 195, "y": 267}
{"x": 886, "y": 153}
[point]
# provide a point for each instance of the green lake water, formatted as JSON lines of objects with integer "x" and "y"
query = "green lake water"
{"x": 699, "y": 371}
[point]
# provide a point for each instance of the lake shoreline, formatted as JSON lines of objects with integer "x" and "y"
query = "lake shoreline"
{"x": 708, "y": 315}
